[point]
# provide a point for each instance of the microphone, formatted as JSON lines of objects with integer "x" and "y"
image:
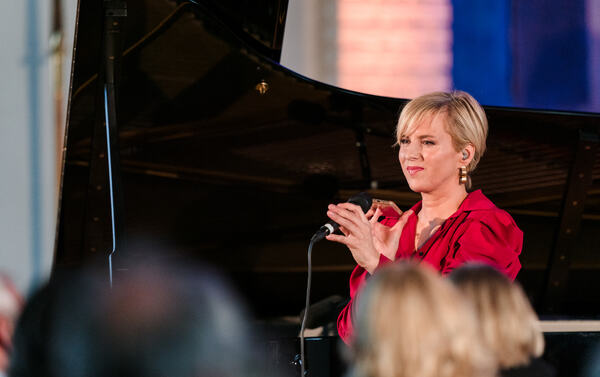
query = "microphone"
{"x": 361, "y": 199}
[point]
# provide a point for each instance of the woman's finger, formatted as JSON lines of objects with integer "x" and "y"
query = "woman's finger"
{"x": 402, "y": 220}
{"x": 337, "y": 238}
{"x": 343, "y": 221}
{"x": 356, "y": 210}
{"x": 375, "y": 216}
{"x": 351, "y": 213}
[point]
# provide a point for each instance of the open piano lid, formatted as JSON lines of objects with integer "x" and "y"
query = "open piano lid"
{"x": 229, "y": 158}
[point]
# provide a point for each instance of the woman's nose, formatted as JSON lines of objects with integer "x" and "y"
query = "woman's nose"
{"x": 410, "y": 150}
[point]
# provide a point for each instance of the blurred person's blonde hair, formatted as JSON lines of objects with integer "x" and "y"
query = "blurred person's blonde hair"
{"x": 466, "y": 121}
{"x": 410, "y": 322}
{"x": 509, "y": 325}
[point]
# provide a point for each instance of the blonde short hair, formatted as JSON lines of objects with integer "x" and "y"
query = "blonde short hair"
{"x": 508, "y": 323}
{"x": 465, "y": 119}
{"x": 410, "y": 322}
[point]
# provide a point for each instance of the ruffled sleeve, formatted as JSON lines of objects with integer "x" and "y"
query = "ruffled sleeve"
{"x": 493, "y": 238}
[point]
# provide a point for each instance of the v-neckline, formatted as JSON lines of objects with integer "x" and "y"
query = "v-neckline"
{"x": 416, "y": 249}
{"x": 429, "y": 240}
{"x": 435, "y": 234}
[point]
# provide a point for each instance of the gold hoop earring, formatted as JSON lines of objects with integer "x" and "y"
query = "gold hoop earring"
{"x": 462, "y": 175}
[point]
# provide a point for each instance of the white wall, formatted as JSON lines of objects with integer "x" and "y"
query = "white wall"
{"x": 310, "y": 39}
{"x": 27, "y": 139}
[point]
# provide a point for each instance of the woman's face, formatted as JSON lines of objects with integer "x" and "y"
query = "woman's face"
{"x": 428, "y": 158}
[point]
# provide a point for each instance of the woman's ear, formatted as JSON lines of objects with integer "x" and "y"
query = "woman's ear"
{"x": 467, "y": 154}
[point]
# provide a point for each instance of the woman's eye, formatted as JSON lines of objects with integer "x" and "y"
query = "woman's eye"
{"x": 428, "y": 142}
{"x": 404, "y": 141}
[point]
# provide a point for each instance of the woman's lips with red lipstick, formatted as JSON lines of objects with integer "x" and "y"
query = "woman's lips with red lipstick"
{"x": 412, "y": 170}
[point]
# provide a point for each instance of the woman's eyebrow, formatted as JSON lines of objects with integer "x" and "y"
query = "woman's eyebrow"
{"x": 426, "y": 136}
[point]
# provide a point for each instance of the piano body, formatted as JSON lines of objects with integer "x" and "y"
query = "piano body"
{"x": 184, "y": 130}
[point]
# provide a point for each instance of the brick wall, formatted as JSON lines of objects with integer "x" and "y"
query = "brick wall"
{"x": 396, "y": 48}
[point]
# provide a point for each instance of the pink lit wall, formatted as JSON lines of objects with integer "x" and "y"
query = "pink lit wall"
{"x": 396, "y": 48}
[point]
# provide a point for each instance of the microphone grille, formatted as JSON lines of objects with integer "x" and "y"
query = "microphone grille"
{"x": 363, "y": 200}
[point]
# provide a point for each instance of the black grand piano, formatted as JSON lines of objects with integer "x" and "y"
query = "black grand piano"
{"x": 184, "y": 130}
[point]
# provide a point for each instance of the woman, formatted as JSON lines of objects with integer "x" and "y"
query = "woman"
{"x": 411, "y": 322}
{"x": 508, "y": 324}
{"x": 442, "y": 138}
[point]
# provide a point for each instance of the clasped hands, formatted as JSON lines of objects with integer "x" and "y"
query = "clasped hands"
{"x": 366, "y": 238}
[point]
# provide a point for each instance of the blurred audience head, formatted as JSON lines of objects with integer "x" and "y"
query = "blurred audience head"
{"x": 508, "y": 323}
{"x": 156, "y": 320}
{"x": 10, "y": 307}
{"x": 30, "y": 355}
{"x": 410, "y": 322}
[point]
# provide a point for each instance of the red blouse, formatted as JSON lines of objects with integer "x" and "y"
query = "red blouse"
{"x": 477, "y": 231}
